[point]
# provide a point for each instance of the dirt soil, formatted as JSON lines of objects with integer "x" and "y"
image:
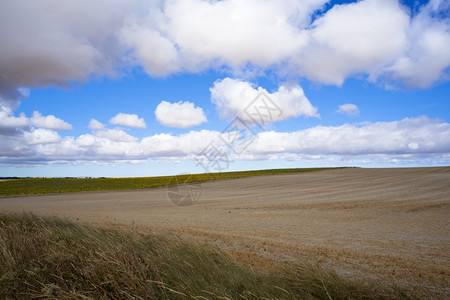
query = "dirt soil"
{"x": 388, "y": 224}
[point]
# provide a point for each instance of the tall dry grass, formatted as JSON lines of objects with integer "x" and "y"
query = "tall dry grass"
{"x": 54, "y": 259}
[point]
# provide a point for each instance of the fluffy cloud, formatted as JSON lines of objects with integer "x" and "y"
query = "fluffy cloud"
{"x": 354, "y": 38}
{"x": 427, "y": 58}
{"x": 376, "y": 38}
{"x": 116, "y": 135}
{"x": 409, "y": 136}
{"x": 41, "y": 136}
{"x": 179, "y": 114}
{"x": 156, "y": 53}
{"x": 129, "y": 120}
{"x": 95, "y": 125}
{"x": 50, "y": 42}
{"x": 348, "y": 109}
{"x": 234, "y": 97}
{"x": 213, "y": 33}
{"x": 10, "y": 124}
{"x": 168, "y": 146}
{"x": 49, "y": 122}
{"x": 237, "y": 32}
{"x": 405, "y": 140}
{"x": 8, "y": 120}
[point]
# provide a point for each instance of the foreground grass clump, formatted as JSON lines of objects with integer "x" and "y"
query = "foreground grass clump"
{"x": 64, "y": 185}
{"x": 51, "y": 258}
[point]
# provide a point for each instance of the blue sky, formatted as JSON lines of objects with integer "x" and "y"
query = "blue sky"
{"x": 144, "y": 89}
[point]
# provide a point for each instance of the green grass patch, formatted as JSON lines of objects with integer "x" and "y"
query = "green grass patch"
{"x": 54, "y": 259}
{"x": 66, "y": 185}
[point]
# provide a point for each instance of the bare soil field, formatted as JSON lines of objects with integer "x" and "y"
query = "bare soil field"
{"x": 388, "y": 224}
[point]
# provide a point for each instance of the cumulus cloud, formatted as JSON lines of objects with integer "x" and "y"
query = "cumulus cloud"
{"x": 49, "y": 122}
{"x": 8, "y": 120}
{"x": 10, "y": 125}
{"x": 353, "y": 38}
{"x": 95, "y": 125}
{"x": 426, "y": 59}
{"x": 234, "y": 97}
{"x": 405, "y": 140}
{"x": 179, "y": 114}
{"x": 170, "y": 40}
{"x": 129, "y": 120}
{"x": 10, "y": 96}
{"x": 237, "y": 32}
{"x": 181, "y": 146}
{"x": 156, "y": 53}
{"x": 50, "y": 42}
{"x": 86, "y": 140}
{"x": 348, "y": 109}
{"x": 408, "y": 136}
{"x": 41, "y": 136}
{"x": 380, "y": 39}
{"x": 57, "y": 43}
{"x": 116, "y": 135}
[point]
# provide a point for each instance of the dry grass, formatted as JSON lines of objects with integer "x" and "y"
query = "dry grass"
{"x": 54, "y": 259}
{"x": 384, "y": 225}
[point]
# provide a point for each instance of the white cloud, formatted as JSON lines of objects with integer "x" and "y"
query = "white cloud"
{"x": 95, "y": 125}
{"x": 376, "y": 38}
{"x": 49, "y": 122}
{"x": 130, "y": 120}
{"x": 408, "y": 136}
{"x": 427, "y": 58}
{"x": 41, "y": 136}
{"x": 234, "y": 97}
{"x": 354, "y": 38}
{"x": 115, "y": 135}
{"x": 13, "y": 127}
{"x": 348, "y": 109}
{"x": 413, "y": 146}
{"x": 7, "y": 119}
{"x": 86, "y": 140}
{"x": 236, "y": 32}
{"x": 214, "y": 33}
{"x": 411, "y": 139}
{"x": 156, "y": 53}
{"x": 379, "y": 39}
{"x": 182, "y": 146}
{"x": 179, "y": 114}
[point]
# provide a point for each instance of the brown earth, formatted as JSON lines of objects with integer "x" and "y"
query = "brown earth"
{"x": 388, "y": 224}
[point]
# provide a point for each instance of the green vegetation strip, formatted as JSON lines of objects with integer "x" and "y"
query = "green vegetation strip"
{"x": 66, "y": 185}
{"x": 54, "y": 259}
